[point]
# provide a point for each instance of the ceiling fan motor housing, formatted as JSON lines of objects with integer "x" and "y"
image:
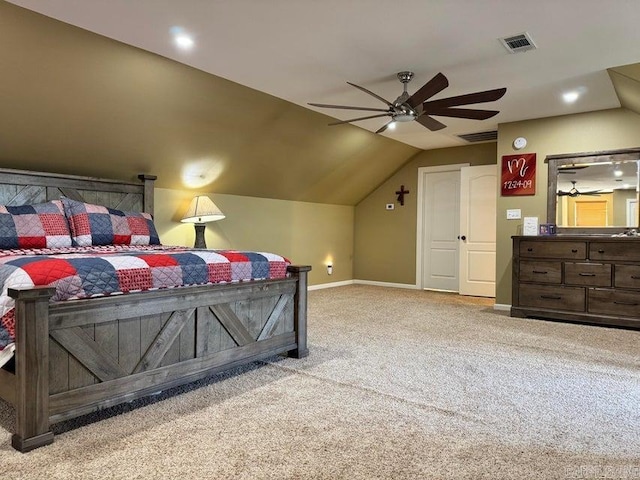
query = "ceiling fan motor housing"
{"x": 405, "y": 77}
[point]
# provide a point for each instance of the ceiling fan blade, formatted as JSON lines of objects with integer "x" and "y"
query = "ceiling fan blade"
{"x": 346, "y": 107}
{"x": 360, "y": 118}
{"x": 462, "y": 113}
{"x": 371, "y": 93}
{"x": 431, "y": 123}
{"x": 563, "y": 194}
{"x": 384, "y": 127}
{"x": 573, "y": 167}
{"x": 468, "y": 99}
{"x": 428, "y": 90}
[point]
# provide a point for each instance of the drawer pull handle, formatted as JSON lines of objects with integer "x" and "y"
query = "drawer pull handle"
{"x": 574, "y": 250}
{"x": 600, "y": 251}
{"x": 635, "y": 277}
{"x": 630, "y": 304}
{"x": 587, "y": 274}
{"x": 540, "y": 271}
{"x": 551, "y": 297}
{"x": 530, "y": 249}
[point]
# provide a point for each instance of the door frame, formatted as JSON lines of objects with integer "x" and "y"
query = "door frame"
{"x": 419, "y": 233}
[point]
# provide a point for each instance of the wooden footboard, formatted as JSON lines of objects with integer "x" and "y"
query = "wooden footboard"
{"x": 76, "y": 357}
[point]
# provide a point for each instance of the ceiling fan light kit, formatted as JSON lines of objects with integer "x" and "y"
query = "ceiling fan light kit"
{"x": 407, "y": 108}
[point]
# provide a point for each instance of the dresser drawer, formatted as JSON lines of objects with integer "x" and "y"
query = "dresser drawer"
{"x": 587, "y": 274}
{"x": 614, "y": 302}
{"x": 552, "y": 297}
{"x": 568, "y": 250}
{"x": 627, "y": 276}
{"x": 540, "y": 272}
{"x": 627, "y": 251}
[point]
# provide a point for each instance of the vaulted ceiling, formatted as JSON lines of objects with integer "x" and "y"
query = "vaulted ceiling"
{"x": 115, "y": 97}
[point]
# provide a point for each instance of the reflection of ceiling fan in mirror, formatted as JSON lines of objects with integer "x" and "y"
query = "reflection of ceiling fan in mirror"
{"x": 575, "y": 193}
{"x": 407, "y": 107}
{"x": 572, "y": 170}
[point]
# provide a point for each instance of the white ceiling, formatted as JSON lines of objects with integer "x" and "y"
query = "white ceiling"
{"x": 306, "y": 50}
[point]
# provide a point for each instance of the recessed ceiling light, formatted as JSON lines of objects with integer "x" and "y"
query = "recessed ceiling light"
{"x": 184, "y": 41}
{"x": 181, "y": 38}
{"x": 571, "y": 96}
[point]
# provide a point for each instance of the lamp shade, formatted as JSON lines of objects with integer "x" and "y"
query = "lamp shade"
{"x": 202, "y": 210}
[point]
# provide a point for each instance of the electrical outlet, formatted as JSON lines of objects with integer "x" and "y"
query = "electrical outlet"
{"x": 514, "y": 214}
{"x": 390, "y": 206}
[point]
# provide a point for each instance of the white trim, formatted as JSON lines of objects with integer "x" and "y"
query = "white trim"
{"x": 439, "y": 290}
{"x": 419, "y": 239}
{"x": 385, "y": 284}
{"x": 330, "y": 285}
{"x": 502, "y": 307}
{"x": 631, "y": 221}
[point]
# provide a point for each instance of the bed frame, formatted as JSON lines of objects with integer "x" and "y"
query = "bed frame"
{"x": 79, "y": 356}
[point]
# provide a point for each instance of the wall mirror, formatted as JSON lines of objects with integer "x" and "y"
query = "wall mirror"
{"x": 594, "y": 192}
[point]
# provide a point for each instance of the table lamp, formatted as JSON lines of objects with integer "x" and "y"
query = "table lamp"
{"x": 202, "y": 210}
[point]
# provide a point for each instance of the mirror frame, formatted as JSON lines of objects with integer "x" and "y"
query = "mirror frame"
{"x": 556, "y": 161}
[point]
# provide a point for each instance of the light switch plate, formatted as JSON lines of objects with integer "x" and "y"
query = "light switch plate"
{"x": 514, "y": 214}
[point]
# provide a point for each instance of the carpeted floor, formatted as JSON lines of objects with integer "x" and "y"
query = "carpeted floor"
{"x": 400, "y": 384}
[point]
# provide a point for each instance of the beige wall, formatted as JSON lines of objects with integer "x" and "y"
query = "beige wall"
{"x": 306, "y": 233}
{"x": 594, "y": 131}
{"x": 385, "y": 240}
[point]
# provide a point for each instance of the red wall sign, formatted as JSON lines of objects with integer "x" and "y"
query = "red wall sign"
{"x": 519, "y": 174}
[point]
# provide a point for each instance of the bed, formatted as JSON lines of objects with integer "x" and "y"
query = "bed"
{"x": 76, "y": 356}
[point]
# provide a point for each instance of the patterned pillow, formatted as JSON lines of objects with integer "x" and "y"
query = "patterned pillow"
{"x": 98, "y": 225}
{"x": 34, "y": 226}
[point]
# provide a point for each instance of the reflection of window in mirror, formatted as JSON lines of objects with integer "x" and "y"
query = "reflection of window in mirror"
{"x": 594, "y": 193}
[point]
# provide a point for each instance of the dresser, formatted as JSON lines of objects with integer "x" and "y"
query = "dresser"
{"x": 594, "y": 279}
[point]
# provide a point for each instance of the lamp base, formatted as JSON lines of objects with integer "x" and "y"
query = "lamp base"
{"x": 200, "y": 243}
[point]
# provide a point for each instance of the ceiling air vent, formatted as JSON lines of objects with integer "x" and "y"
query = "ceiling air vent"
{"x": 521, "y": 42}
{"x": 480, "y": 136}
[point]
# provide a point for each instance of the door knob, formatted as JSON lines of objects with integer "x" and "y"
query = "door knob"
{"x": 461, "y": 237}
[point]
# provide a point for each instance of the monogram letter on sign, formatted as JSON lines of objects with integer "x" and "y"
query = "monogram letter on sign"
{"x": 519, "y": 174}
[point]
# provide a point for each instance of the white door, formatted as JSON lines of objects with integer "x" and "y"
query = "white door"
{"x": 632, "y": 212}
{"x": 478, "y": 197}
{"x": 440, "y": 224}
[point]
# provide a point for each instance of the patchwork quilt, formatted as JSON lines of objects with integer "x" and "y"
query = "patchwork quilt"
{"x": 83, "y": 272}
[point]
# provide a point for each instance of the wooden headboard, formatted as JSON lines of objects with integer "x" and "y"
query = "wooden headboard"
{"x": 21, "y": 187}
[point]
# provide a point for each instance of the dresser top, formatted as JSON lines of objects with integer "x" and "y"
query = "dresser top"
{"x": 590, "y": 238}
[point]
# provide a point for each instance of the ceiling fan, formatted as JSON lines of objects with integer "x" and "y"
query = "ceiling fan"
{"x": 407, "y": 108}
{"x": 572, "y": 170}
{"x": 573, "y": 192}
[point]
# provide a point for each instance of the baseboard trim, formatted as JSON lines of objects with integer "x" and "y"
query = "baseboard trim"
{"x": 320, "y": 286}
{"x": 385, "y": 284}
{"x": 497, "y": 306}
{"x": 362, "y": 282}
{"x": 501, "y": 306}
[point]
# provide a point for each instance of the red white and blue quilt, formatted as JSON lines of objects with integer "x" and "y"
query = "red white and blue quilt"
{"x": 83, "y": 272}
